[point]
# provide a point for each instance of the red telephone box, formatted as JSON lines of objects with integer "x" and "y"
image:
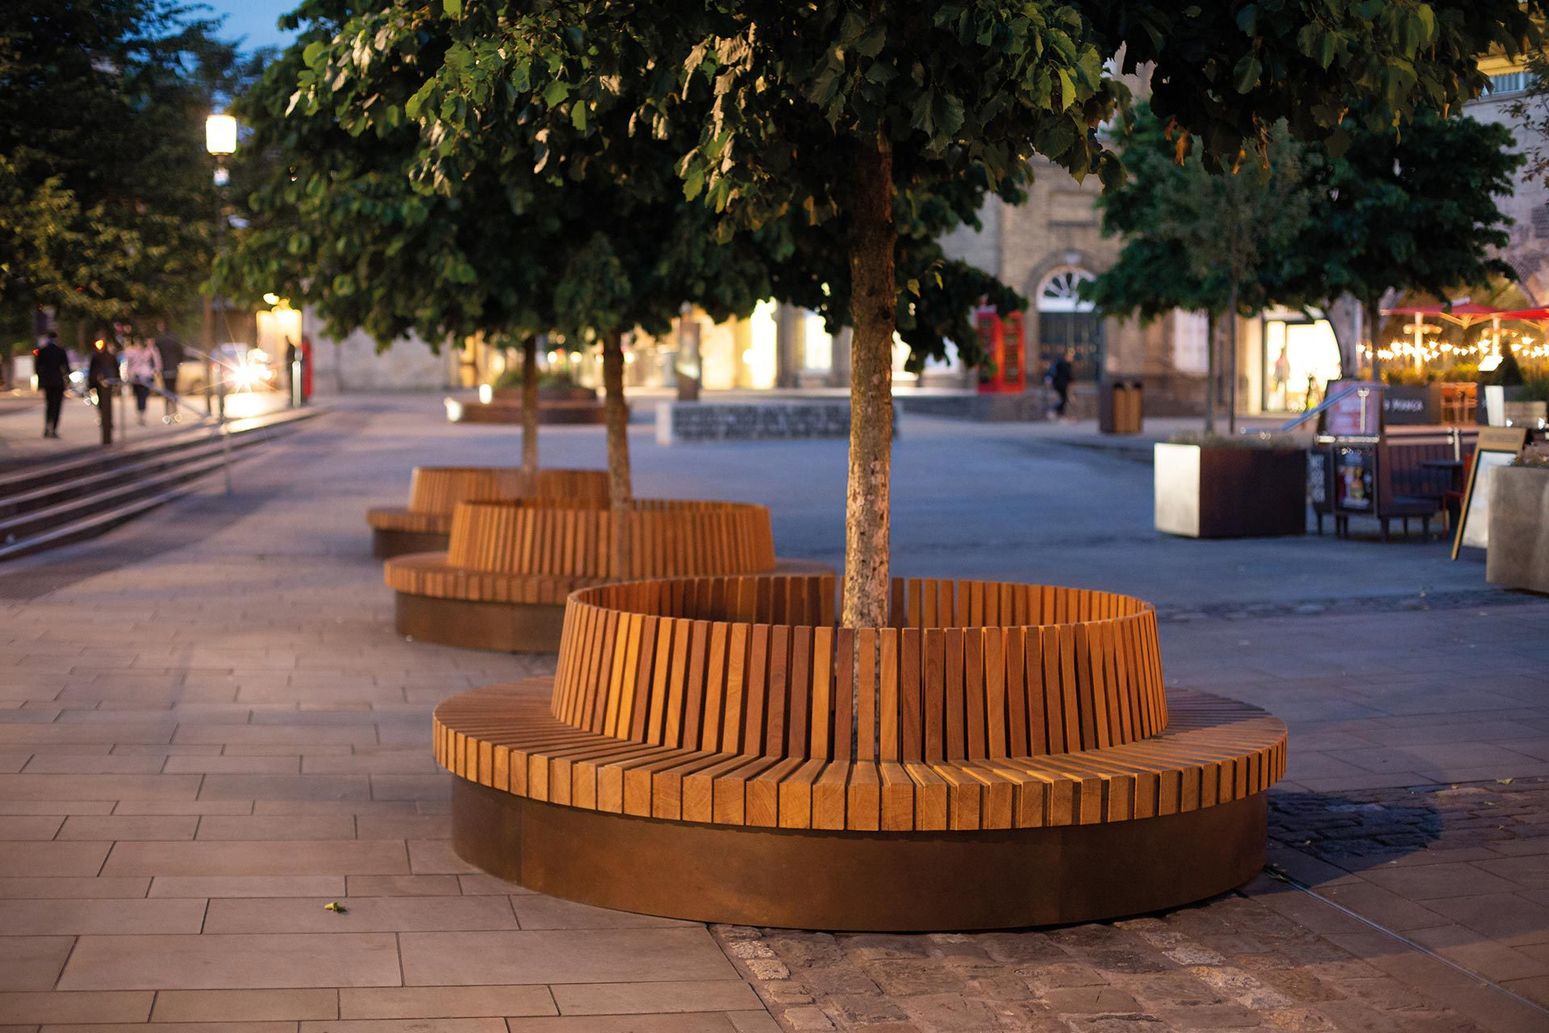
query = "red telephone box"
{"x": 1001, "y": 338}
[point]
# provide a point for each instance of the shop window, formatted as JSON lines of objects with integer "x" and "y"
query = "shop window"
{"x": 1191, "y": 342}
{"x": 1300, "y": 357}
{"x": 1067, "y": 323}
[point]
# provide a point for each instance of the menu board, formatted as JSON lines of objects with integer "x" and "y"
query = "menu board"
{"x": 1355, "y": 487}
{"x": 1497, "y": 447}
{"x": 1355, "y": 410}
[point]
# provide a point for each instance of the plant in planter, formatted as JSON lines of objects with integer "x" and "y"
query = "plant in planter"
{"x": 842, "y": 128}
{"x": 1212, "y": 486}
{"x": 1518, "y": 556}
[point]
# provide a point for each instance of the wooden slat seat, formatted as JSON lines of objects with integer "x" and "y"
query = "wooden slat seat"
{"x": 505, "y": 738}
{"x": 998, "y": 755}
{"x": 509, "y": 566}
{"x": 732, "y": 700}
{"x": 434, "y": 492}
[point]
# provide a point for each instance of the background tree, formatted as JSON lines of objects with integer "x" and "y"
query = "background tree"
{"x": 1412, "y": 208}
{"x": 102, "y": 108}
{"x": 1223, "y": 242}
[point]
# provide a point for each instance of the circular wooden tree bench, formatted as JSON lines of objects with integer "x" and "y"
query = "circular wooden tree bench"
{"x": 435, "y": 490}
{"x": 716, "y": 749}
{"x": 509, "y": 566}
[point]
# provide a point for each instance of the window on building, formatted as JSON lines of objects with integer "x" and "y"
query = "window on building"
{"x": 1510, "y": 82}
{"x": 1069, "y": 323}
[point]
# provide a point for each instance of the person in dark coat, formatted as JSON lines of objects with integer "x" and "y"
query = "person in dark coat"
{"x": 52, "y": 367}
{"x": 171, "y": 351}
{"x": 1059, "y": 377}
{"x": 101, "y": 379}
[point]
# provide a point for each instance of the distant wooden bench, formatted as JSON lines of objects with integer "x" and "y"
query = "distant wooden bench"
{"x": 509, "y": 566}
{"x": 423, "y": 526}
{"x": 1003, "y": 755}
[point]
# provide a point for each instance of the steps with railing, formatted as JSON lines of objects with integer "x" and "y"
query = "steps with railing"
{"x": 86, "y": 492}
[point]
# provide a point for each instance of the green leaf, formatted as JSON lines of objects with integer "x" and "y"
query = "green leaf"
{"x": 1246, "y": 74}
{"x": 555, "y": 93}
{"x": 1248, "y": 19}
{"x": 453, "y": 8}
{"x": 578, "y": 115}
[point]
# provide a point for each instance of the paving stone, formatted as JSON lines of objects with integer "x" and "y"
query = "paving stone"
{"x": 272, "y": 857}
{"x": 436, "y": 1002}
{"x": 654, "y": 996}
{"x": 209, "y": 961}
{"x": 32, "y": 962}
{"x": 75, "y": 1007}
{"x": 128, "y": 827}
{"x": 588, "y": 956}
{"x": 72, "y": 917}
{"x": 363, "y": 914}
{"x": 251, "y": 1005}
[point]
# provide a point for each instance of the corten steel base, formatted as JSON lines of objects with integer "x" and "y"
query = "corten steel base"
{"x": 506, "y": 627}
{"x": 386, "y": 544}
{"x": 895, "y": 882}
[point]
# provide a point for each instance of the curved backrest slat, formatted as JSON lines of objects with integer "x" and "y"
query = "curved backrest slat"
{"x": 755, "y": 665}
{"x": 438, "y": 489}
{"x": 575, "y": 538}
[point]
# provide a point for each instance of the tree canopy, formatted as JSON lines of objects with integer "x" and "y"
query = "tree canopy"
{"x": 106, "y": 204}
{"x": 838, "y": 117}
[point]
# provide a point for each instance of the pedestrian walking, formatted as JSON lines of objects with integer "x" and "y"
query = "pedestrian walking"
{"x": 101, "y": 380}
{"x": 172, "y": 353}
{"x": 142, "y": 370}
{"x": 52, "y": 367}
{"x": 1059, "y": 377}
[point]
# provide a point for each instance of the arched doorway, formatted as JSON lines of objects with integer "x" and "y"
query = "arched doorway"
{"x": 1069, "y": 323}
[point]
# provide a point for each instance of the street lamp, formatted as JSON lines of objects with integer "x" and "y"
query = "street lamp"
{"x": 220, "y": 140}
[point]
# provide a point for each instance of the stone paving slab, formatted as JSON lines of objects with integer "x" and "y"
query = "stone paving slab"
{"x": 210, "y": 732}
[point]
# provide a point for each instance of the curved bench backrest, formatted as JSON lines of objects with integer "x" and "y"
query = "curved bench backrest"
{"x": 756, "y": 666}
{"x": 574, "y": 538}
{"x": 438, "y": 489}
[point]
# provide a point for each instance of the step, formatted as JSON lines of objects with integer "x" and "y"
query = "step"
{"x": 30, "y": 525}
{"x": 111, "y": 502}
{"x": 62, "y": 488}
{"x": 35, "y": 473}
{"x": 91, "y": 526}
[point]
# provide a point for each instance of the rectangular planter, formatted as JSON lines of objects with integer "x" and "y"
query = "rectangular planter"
{"x": 1518, "y": 555}
{"x": 1205, "y": 491}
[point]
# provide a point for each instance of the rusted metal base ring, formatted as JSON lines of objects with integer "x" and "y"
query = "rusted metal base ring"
{"x": 386, "y": 543}
{"x": 508, "y": 627}
{"x": 812, "y": 879}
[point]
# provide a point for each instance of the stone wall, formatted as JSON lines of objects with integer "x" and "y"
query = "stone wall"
{"x": 747, "y": 421}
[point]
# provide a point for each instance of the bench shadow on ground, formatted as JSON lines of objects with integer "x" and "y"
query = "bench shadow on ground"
{"x": 1351, "y": 831}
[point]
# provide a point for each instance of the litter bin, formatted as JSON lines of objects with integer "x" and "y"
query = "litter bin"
{"x": 1119, "y": 406}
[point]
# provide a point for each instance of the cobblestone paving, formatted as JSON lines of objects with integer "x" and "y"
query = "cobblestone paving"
{"x": 1270, "y": 958}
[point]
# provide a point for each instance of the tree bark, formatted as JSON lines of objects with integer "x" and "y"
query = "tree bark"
{"x": 1231, "y": 363}
{"x": 1373, "y": 320}
{"x": 530, "y": 409}
{"x": 873, "y": 300}
{"x": 1210, "y": 373}
{"x": 617, "y": 415}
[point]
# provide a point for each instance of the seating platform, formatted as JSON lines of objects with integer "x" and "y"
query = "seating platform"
{"x": 434, "y": 491}
{"x": 509, "y": 566}
{"x": 1004, "y": 755}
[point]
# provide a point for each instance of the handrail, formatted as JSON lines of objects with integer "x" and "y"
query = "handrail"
{"x": 216, "y": 423}
{"x": 1320, "y": 407}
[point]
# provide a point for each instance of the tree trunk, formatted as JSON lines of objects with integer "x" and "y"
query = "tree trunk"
{"x": 530, "y": 410}
{"x": 1373, "y": 321}
{"x": 873, "y": 300}
{"x": 1210, "y": 373}
{"x": 1231, "y": 363}
{"x": 619, "y": 490}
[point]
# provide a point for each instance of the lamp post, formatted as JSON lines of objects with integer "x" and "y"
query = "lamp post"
{"x": 220, "y": 140}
